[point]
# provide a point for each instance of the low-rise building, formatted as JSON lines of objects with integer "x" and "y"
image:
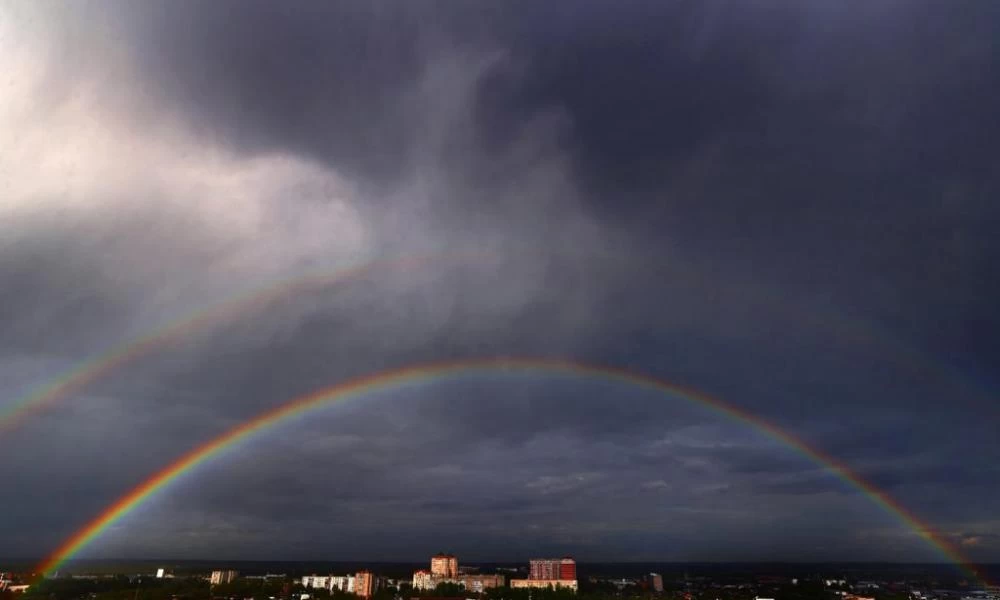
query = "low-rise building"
{"x": 343, "y": 583}
{"x": 544, "y": 583}
{"x": 317, "y": 582}
{"x": 479, "y": 583}
{"x": 425, "y": 580}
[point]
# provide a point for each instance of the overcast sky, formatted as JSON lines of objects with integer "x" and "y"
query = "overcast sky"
{"x": 790, "y": 206}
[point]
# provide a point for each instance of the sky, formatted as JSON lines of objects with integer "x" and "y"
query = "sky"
{"x": 789, "y": 206}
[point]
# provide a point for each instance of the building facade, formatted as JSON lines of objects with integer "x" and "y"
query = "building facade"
{"x": 223, "y": 577}
{"x": 481, "y": 583}
{"x": 444, "y": 565}
{"x": 364, "y": 584}
{"x": 567, "y": 568}
{"x": 423, "y": 580}
{"x": 549, "y": 573}
{"x": 552, "y": 568}
{"x": 316, "y": 582}
{"x": 544, "y": 583}
{"x": 344, "y": 583}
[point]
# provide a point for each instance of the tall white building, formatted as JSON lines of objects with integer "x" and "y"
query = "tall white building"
{"x": 423, "y": 580}
{"x": 344, "y": 583}
{"x": 223, "y": 576}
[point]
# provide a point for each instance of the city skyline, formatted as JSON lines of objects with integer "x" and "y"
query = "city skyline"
{"x": 680, "y": 582}
{"x": 637, "y": 281}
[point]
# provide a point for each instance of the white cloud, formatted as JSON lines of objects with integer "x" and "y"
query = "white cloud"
{"x": 88, "y": 155}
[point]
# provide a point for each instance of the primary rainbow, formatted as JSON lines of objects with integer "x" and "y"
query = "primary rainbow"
{"x": 359, "y": 387}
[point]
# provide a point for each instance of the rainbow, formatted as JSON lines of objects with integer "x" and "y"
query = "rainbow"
{"x": 88, "y": 372}
{"x": 357, "y": 388}
{"x": 97, "y": 368}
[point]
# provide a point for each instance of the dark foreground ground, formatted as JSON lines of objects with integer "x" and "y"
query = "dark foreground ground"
{"x": 135, "y": 580}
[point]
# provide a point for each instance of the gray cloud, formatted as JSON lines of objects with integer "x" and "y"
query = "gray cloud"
{"x": 717, "y": 194}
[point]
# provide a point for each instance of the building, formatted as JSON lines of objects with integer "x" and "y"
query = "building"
{"x": 344, "y": 583}
{"x": 444, "y": 565}
{"x": 656, "y": 582}
{"x": 364, "y": 584}
{"x": 444, "y": 569}
{"x": 567, "y": 568}
{"x": 549, "y": 573}
{"x": 317, "y": 582}
{"x": 480, "y": 583}
{"x": 544, "y": 568}
{"x": 223, "y": 577}
{"x": 552, "y": 568}
{"x": 423, "y": 580}
{"x": 544, "y": 583}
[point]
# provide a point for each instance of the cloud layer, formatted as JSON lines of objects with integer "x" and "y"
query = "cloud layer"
{"x": 787, "y": 206}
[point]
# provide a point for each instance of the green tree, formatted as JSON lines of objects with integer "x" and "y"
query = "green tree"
{"x": 448, "y": 589}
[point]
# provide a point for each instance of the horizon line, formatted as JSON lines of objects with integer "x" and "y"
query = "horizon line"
{"x": 517, "y": 560}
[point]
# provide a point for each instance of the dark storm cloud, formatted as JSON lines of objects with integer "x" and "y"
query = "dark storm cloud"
{"x": 787, "y": 206}
{"x": 39, "y": 270}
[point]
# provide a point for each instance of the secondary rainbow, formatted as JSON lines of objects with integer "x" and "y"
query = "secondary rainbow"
{"x": 93, "y": 370}
{"x": 359, "y": 387}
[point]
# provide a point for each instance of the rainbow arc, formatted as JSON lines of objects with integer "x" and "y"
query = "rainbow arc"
{"x": 364, "y": 386}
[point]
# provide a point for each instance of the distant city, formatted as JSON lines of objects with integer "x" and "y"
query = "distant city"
{"x": 444, "y": 578}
